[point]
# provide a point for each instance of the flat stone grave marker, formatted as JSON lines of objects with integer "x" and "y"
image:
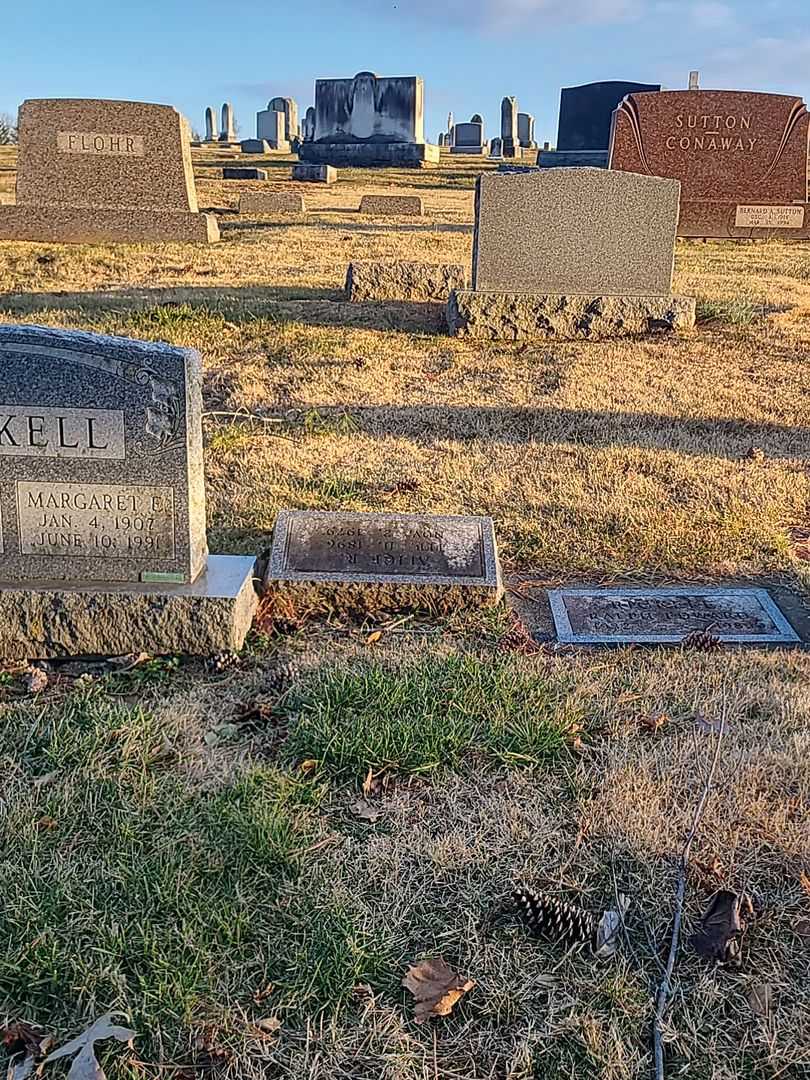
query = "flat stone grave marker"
{"x": 403, "y": 560}
{"x": 102, "y": 501}
{"x": 604, "y": 616}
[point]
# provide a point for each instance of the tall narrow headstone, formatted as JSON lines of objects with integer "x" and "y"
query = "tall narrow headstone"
{"x": 227, "y": 130}
{"x": 526, "y": 131}
{"x": 210, "y": 125}
{"x": 102, "y": 501}
{"x": 694, "y": 80}
{"x": 271, "y": 126}
{"x": 289, "y": 107}
{"x": 509, "y": 127}
{"x": 104, "y": 172}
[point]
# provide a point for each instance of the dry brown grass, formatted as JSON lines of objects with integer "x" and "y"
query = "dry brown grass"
{"x": 611, "y": 461}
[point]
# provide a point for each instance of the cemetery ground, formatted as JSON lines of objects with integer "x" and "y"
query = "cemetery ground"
{"x": 246, "y": 862}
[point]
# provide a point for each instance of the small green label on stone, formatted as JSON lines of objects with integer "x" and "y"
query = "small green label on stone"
{"x": 157, "y": 578}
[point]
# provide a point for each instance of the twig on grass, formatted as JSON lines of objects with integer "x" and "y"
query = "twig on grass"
{"x": 665, "y": 989}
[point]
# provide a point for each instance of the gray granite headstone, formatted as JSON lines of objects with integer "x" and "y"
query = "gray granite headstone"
{"x": 210, "y": 125}
{"x": 243, "y": 172}
{"x": 603, "y": 616}
{"x": 416, "y": 556}
{"x": 102, "y": 502}
{"x": 509, "y": 126}
{"x": 227, "y": 131}
{"x": 101, "y": 472}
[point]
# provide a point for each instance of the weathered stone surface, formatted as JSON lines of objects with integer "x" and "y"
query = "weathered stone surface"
{"x": 255, "y": 146}
{"x": 371, "y": 154}
{"x": 289, "y": 107}
{"x": 606, "y": 616}
{"x": 101, "y": 470}
{"x": 271, "y": 202}
{"x": 727, "y": 148}
{"x": 308, "y": 127}
{"x": 392, "y": 205}
{"x": 121, "y": 167}
{"x": 271, "y": 125}
{"x": 210, "y": 125}
{"x": 468, "y": 139}
{"x": 521, "y": 316}
{"x": 400, "y": 280}
{"x": 208, "y": 615}
{"x": 526, "y": 131}
{"x": 567, "y": 231}
{"x": 243, "y": 172}
{"x": 371, "y": 562}
{"x": 317, "y": 174}
{"x": 509, "y": 127}
{"x": 227, "y": 129}
{"x": 586, "y": 112}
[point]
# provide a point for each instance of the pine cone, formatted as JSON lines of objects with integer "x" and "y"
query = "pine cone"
{"x": 702, "y": 641}
{"x": 222, "y": 661}
{"x": 556, "y": 919}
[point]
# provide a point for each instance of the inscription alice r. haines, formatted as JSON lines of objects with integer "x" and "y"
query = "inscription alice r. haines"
{"x": 96, "y": 142}
{"x": 705, "y": 131}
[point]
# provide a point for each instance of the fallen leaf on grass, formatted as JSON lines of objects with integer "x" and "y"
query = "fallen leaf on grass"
{"x": 85, "y": 1065}
{"x": 710, "y": 872}
{"x": 374, "y": 637}
{"x": 363, "y": 809}
{"x": 254, "y": 714}
{"x": 609, "y": 929}
{"x": 377, "y": 783}
{"x": 46, "y": 823}
{"x": 308, "y": 766}
{"x": 722, "y": 929}
{"x": 654, "y": 722}
{"x": 263, "y": 993}
{"x": 27, "y": 1044}
{"x": 36, "y": 680}
{"x": 271, "y": 1025}
{"x": 760, "y": 998}
{"x": 436, "y": 988}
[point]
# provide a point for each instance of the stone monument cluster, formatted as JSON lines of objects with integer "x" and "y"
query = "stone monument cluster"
{"x": 102, "y": 497}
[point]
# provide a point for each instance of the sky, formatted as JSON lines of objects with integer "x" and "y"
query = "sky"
{"x": 471, "y": 53}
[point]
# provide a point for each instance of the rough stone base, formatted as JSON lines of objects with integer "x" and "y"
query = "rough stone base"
{"x": 295, "y": 601}
{"x": 392, "y": 205}
{"x": 317, "y": 174}
{"x": 419, "y": 282}
{"x": 365, "y": 155}
{"x": 89, "y": 225}
{"x": 271, "y": 202}
{"x": 569, "y": 159}
{"x": 210, "y": 615}
{"x": 717, "y": 220}
{"x": 518, "y": 316}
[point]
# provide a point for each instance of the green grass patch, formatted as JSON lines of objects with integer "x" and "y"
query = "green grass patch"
{"x": 429, "y": 714}
{"x": 733, "y": 311}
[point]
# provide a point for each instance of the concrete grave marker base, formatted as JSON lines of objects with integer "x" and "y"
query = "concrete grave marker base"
{"x": 209, "y": 615}
{"x": 356, "y": 563}
{"x": 91, "y": 225}
{"x": 401, "y": 280}
{"x": 615, "y": 616}
{"x": 499, "y": 316}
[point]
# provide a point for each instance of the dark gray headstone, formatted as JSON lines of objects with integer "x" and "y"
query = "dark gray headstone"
{"x": 231, "y": 172}
{"x": 586, "y": 112}
{"x": 603, "y": 616}
{"x": 101, "y": 472}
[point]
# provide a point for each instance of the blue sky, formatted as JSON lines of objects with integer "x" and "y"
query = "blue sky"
{"x": 470, "y": 52}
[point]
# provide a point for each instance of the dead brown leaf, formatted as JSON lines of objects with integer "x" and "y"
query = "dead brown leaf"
{"x": 377, "y": 783}
{"x": 308, "y": 766}
{"x": 270, "y": 1025}
{"x": 654, "y": 721}
{"x": 436, "y": 988}
{"x": 710, "y": 872}
{"x": 374, "y": 637}
{"x": 46, "y": 823}
{"x": 263, "y": 993}
{"x": 722, "y": 928}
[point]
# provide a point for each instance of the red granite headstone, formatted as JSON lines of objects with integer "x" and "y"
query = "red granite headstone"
{"x": 741, "y": 158}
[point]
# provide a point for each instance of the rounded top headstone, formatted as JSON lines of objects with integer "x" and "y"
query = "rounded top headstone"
{"x": 476, "y": 119}
{"x": 367, "y": 75}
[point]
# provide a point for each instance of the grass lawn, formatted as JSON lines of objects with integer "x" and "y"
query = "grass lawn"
{"x": 195, "y": 850}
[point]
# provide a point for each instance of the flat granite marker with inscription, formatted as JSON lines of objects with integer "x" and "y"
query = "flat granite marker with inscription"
{"x": 606, "y": 616}
{"x": 102, "y": 502}
{"x": 741, "y": 158}
{"x": 104, "y": 172}
{"x": 358, "y": 563}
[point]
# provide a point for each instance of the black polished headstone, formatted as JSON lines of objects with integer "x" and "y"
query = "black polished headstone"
{"x": 586, "y": 111}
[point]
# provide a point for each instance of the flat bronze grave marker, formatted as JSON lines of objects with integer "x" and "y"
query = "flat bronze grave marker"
{"x": 663, "y": 616}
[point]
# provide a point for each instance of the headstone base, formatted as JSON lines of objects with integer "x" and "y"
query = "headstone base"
{"x": 479, "y": 150}
{"x": 569, "y": 159}
{"x": 272, "y": 202}
{"x": 365, "y": 155}
{"x": 718, "y": 220}
{"x": 316, "y": 174}
{"x": 400, "y": 280}
{"x": 90, "y": 225}
{"x": 498, "y": 316}
{"x": 211, "y": 615}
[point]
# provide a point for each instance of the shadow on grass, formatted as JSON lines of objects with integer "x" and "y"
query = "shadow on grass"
{"x": 280, "y": 303}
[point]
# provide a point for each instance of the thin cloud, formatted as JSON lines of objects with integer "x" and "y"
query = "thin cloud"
{"x": 763, "y": 63}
